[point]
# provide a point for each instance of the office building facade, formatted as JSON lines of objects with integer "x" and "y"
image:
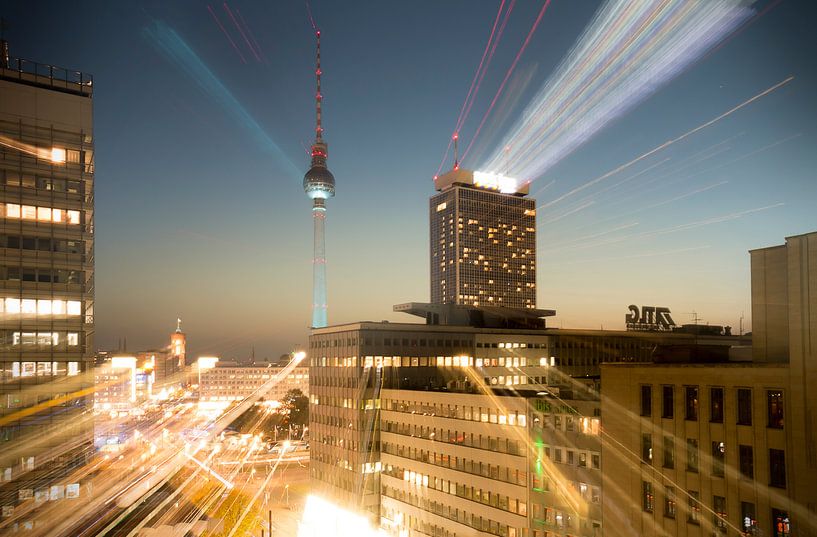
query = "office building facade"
{"x": 482, "y": 241}
{"x": 229, "y": 381}
{"x": 46, "y": 281}
{"x": 723, "y": 449}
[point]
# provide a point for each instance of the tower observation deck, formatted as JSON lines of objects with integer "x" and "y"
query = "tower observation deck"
{"x": 319, "y": 184}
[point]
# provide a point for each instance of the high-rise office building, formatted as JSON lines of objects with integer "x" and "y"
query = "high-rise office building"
{"x": 319, "y": 184}
{"x": 483, "y": 241}
{"x": 46, "y": 282}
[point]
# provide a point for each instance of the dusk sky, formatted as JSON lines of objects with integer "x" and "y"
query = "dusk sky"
{"x": 201, "y": 146}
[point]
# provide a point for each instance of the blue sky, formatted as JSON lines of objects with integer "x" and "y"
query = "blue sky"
{"x": 200, "y": 211}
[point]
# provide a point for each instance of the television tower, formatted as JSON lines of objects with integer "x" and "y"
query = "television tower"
{"x": 319, "y": 184}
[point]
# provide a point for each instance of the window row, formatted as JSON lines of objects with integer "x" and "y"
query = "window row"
{"x": 42, "y": 244}
{"x": 583, "y": 459}
{"x": 774, "y": 404}
{"x": 781, "y": 525}
{"x": 13, "y": 370}
{"x": 16, "y": 211}
{"x": 12, "y": 338}
{"x": 41, "y": 275}
{"x": 493, "y": 471}
{"x": 478, "y": 522}
{"x": 40, "y": 306}
{"x": 50, "y": 184}
{"x": 490, "y": 443}
{"x": 746, "y": 464}
{"x": 464, "y": 412}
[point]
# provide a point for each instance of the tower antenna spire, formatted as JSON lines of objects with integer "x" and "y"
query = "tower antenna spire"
{"x": 319, "y": 185}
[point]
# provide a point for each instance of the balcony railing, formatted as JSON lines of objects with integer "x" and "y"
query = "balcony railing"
{"x": 49, "y": 76}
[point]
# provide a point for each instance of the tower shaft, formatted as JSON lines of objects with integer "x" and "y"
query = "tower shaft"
{"x": 319, "y": 305}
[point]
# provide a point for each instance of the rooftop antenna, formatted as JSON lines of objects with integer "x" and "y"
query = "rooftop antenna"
{"x": 456, "y": 138}
{"x": 695, "y": 318}
{"x": 178, "y": 325}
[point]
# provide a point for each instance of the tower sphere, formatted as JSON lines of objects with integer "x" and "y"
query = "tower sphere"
{"x": 319, "y": 183}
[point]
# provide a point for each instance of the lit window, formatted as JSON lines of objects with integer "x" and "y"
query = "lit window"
{"x": 72, "y": 217}
{"x": 29, "y": 306}
{"x": 12, "y": 210}
{"x": 58, "y": 307}
{"x": 57, "y": 215}
{"x": 73, "y": 339}
{"x": 29, "y": 212}
{"x": 73, "y": 368}
{"x": 74, "y": 307}
{"x": 44, "y": 307}
{"x": 44, "y": 214}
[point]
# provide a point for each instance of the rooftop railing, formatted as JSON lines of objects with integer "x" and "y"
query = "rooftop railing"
{"x": 50, "y": 76}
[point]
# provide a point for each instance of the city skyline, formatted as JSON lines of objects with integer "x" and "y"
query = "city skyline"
{"x": 686, "y": 222}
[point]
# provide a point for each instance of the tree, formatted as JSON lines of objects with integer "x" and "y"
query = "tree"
{"x": 296, "y": 405}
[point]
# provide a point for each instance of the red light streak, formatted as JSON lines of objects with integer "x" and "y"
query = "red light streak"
{"x": 477, "y": 80}
{"x": 224, "y": 31}
{"x": 507, "y": 76}
{"x": 249, "y": 45}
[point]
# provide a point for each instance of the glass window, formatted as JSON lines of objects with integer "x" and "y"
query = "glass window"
{"x": 647, "y": 497}
{"x": 748, "y": 518}
{"x": 691, "y": 403}
{"x": 646, "y": 448}
{"x": 716, "y": 405}
{"x": 777, "y": 468}
{"x": 669, "y": 452}
{"x": 694, "y": 507}
{"x": 692, "y": 454}
{"x": 667, "y": 402}
{"x": 719, "y": 512}
{"x": 718, "y": 458}
{"x": 646, "y": 400}
{"x": 781, "y": 525}
{"x": 747, "y": 462}
{"x": 669, "y": 502}
{"x": 775, "y": 407}
{"x": 744, "y": 406}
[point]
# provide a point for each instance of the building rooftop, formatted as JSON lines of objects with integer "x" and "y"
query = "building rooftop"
{"x": 482, "y": 180}
{"x": 47, "y": 76}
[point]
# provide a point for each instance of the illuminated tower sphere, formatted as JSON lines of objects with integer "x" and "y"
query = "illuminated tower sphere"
{"x": 319, "y": 184}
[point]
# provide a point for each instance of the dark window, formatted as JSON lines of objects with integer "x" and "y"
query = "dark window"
{"x": 744, "y": 406}
{"x": 29, "y": 243}
{"x": 669, "y": 452}
{"x": 718, "y": 457}
{"x": 692, "y": 403}
{"x": 646, "y": 400}
{"x": 719, "y": 512}
{"x": 777, "y": 468}
{"x": 775, "y": 406}
{"x": 44, "y": 245}
{"x": 747, "y": 461}
{"x": 781, "y": 525}
{"x": 29, "y": 275}
{"x": 13, "y": 242}
{"x": 667, "y": 402}
{"x": 692, "y": 454}
{"x": 647, "y": 498}
{"x": 748, "y": 518}
{"x": 669, "y": 502}
{"x": 646, "y": 448}
{"x": 716, "y": 405}
{"x": 44, "y": 276}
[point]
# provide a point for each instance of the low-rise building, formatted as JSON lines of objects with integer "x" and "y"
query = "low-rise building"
{"x": 231, "y": 381}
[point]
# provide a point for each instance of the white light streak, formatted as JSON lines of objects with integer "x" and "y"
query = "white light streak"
{"x": 628, "y": 51}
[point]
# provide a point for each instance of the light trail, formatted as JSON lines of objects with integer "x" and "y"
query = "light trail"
{"x": 241, "y": 31}
{"x": 227, "y": 35}
{"x": 209, "y": 470}
{"x": 670, "y": 142}
{"x": 463, "y": 114}
{"x": 627, "y": 52}
{"x": 505, "y": 81}
{"x": 252, "y": 36}
{"x": 173, "y": 47}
